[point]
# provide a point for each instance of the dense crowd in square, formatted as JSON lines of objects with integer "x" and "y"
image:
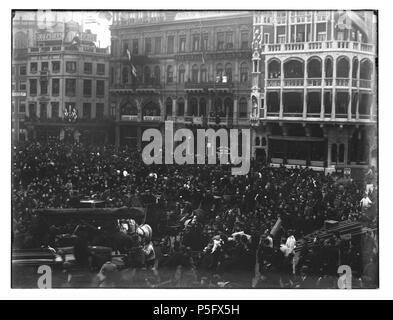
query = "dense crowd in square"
{"x": 213, "y": 227}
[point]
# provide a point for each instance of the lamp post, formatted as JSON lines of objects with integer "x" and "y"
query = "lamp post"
{"x": 70, "y": 118}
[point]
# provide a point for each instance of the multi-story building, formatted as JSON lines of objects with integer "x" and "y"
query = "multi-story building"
{"x": 24, "y": 29}
{"x": 67, "y": 74}
{"x": 314, "y": 88}
{"x": 193, "y": 68}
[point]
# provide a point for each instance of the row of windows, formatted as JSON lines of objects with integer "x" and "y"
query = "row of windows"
{"x": 296, "y": 68}
{"x": 196, "y": 107}
{"x": 71, "y": 67}
{"x": 199, "y": 42}
{"x": 293, "y": 103}
{"x": 223, "y": 73}
{"x": 21, "y": 86}
{"x": 219, "y": 107}
{"x": 302, "y": 33}
{"x": 70, "y": 87}
{"x": 43, "y": 111}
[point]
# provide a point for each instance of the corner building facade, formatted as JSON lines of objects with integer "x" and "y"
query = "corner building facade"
{"x": 193, "y": 68}
{"x": 62, "y": 76}
{"x": 314, "y": 88}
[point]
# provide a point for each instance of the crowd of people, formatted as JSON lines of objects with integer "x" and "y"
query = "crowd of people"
{"x": 213, "y": 227}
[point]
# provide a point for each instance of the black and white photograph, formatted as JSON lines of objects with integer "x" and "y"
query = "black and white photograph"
{"x": 194, "y": 149}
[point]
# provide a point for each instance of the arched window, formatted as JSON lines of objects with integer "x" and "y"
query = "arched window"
{"x": 124, "y": 75}
{"x": 168, "y": 106}
{"x": 151, "y": 109}
{"x": 228, "y": 72}
{"x": 329, "y": 67}
{"x": 219, "y": 72}
{"x": 243, "y": 108}
{"x": 342, "y": 67}
{"x": 264, "y": 142}
{"x": 180, "y": 107}
{"x": 218, "y": 107}
{"x": 294, "y": 69}
{"x": 157, "y": 74}
{"x": 355, "y": 67}
{"x": 366, "y": 69}
{"x": 182, "y": 74}
{"x": 228, "y": 105}
{"x": 194, "y": 73}
{"x": 202, "y": 107}
{"x": 244, "y": 71}
{"x": 274, "y": 69}
{"x": 257, "y": 141}
{"x": 146, "y": 74}
{"x": 314, "y": 68}
{"x": 334, "y": 153}
{"x": 169, "y": 74}
{"x": 129, "y": 108}
{"x": 139, "y": 74}
{"x": 203, "y": 73}
{"x": 341, "y": 152}
{"x": 193, "y": 110}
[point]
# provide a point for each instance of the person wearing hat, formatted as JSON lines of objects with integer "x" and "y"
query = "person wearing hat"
{"x": 107, "y": 277}
{"x": 305, "y": 281}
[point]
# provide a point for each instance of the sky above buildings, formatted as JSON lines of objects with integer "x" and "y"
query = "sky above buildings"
{"x": 96, "y": 21}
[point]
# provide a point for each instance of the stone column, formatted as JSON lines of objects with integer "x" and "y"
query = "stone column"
{"x": 235, "y": 109}
{"x": 329, "y": 153}
{"x": 358, "y": 91}
{"x": 349, "y": 110}
{"x": 38, "y": 110}
{"x": 186, "y": 106}
{"x": 323, "y": 91}
{"x": 264, "y": 100}
{"x": 333, "y": 115}
{"x": 49, "y": 111}
{"x": 305, "y": 91}
{"x": 162, "y": 109}
{"x": 174, "y": 107}
{"x": 209, "y": 107}
{"x": 281, "y": 90}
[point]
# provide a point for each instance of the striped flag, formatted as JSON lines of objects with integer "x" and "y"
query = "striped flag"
{"x": 133, "y": 69}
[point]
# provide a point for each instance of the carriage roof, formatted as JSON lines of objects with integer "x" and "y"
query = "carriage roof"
{"x": 136, "y": 213}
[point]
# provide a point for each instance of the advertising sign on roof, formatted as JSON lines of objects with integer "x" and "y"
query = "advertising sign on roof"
{"x": 49, "y": 36}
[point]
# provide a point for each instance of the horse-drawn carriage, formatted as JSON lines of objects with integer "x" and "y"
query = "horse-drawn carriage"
{"x": 87, "y": 237}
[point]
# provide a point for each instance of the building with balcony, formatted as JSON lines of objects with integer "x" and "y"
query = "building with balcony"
{"x": 193, "y": 68}
{"x": 67, "y": 73}
{"x": 314, "y": 94}
{"x": 23, "y": 30}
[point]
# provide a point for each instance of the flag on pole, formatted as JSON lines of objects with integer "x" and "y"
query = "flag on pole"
{"x": 133, "y": 69}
